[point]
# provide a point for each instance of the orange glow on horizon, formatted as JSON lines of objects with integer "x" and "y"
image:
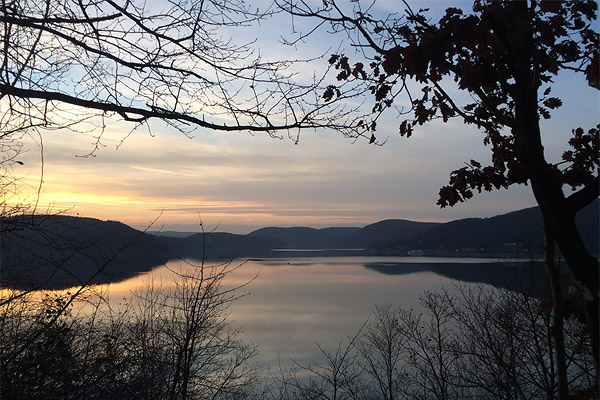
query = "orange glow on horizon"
{"x": 145, "y": 212}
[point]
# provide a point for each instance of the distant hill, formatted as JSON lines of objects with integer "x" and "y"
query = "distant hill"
{"x": 307, "y": 238}
{"x": 59, "y": 251}
{"x": 220, "y": 245}
{"x": 345, "y": 238}
{"x": 52, "y": 252}
{"x": 519, "y": 230}
{"x": 386, "y": 231}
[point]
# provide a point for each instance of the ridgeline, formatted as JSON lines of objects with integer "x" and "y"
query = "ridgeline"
{"x": 58, "y": 251}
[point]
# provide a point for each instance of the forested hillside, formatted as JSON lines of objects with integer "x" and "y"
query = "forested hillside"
{"x": 61, "y": 251}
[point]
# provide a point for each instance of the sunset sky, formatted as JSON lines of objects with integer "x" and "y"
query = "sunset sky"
{"x": 242, "y": 182}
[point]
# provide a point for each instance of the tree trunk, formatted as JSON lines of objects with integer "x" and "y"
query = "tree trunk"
{"x": 559, "y": 220}
{"x": 557, "y": 318}
{"x": 585, "y": 269}
{"x": 557, "y": 211}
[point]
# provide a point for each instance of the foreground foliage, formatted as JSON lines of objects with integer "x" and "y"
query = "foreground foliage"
{"x": 169, "y": 342}
{"x": 474, "y": 342}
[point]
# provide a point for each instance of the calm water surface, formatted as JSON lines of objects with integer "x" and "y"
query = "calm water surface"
{"x": 292, "y": 304}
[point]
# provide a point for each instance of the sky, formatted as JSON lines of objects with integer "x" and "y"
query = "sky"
{"x": 238, "y": 182}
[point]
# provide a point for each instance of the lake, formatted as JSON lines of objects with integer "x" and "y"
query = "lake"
{"x": 290, "y": 304}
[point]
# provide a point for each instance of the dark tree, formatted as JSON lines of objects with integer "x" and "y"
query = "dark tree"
{"x": 73, "y": 64}
{"x": 382, "y": 351}
{"x": 505, "y": 55}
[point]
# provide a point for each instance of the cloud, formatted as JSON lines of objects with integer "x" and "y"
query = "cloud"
{"x": 255, "y": 180}
{"x": 326, "y": 179}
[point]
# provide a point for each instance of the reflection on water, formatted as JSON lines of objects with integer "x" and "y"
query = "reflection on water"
{"x": 291, "y": 304}
{"x": 299, "y": 302}
{"x": 294, "y": 303}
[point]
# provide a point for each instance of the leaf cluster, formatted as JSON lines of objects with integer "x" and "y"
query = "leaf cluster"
{"x": 504, "y": 54}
